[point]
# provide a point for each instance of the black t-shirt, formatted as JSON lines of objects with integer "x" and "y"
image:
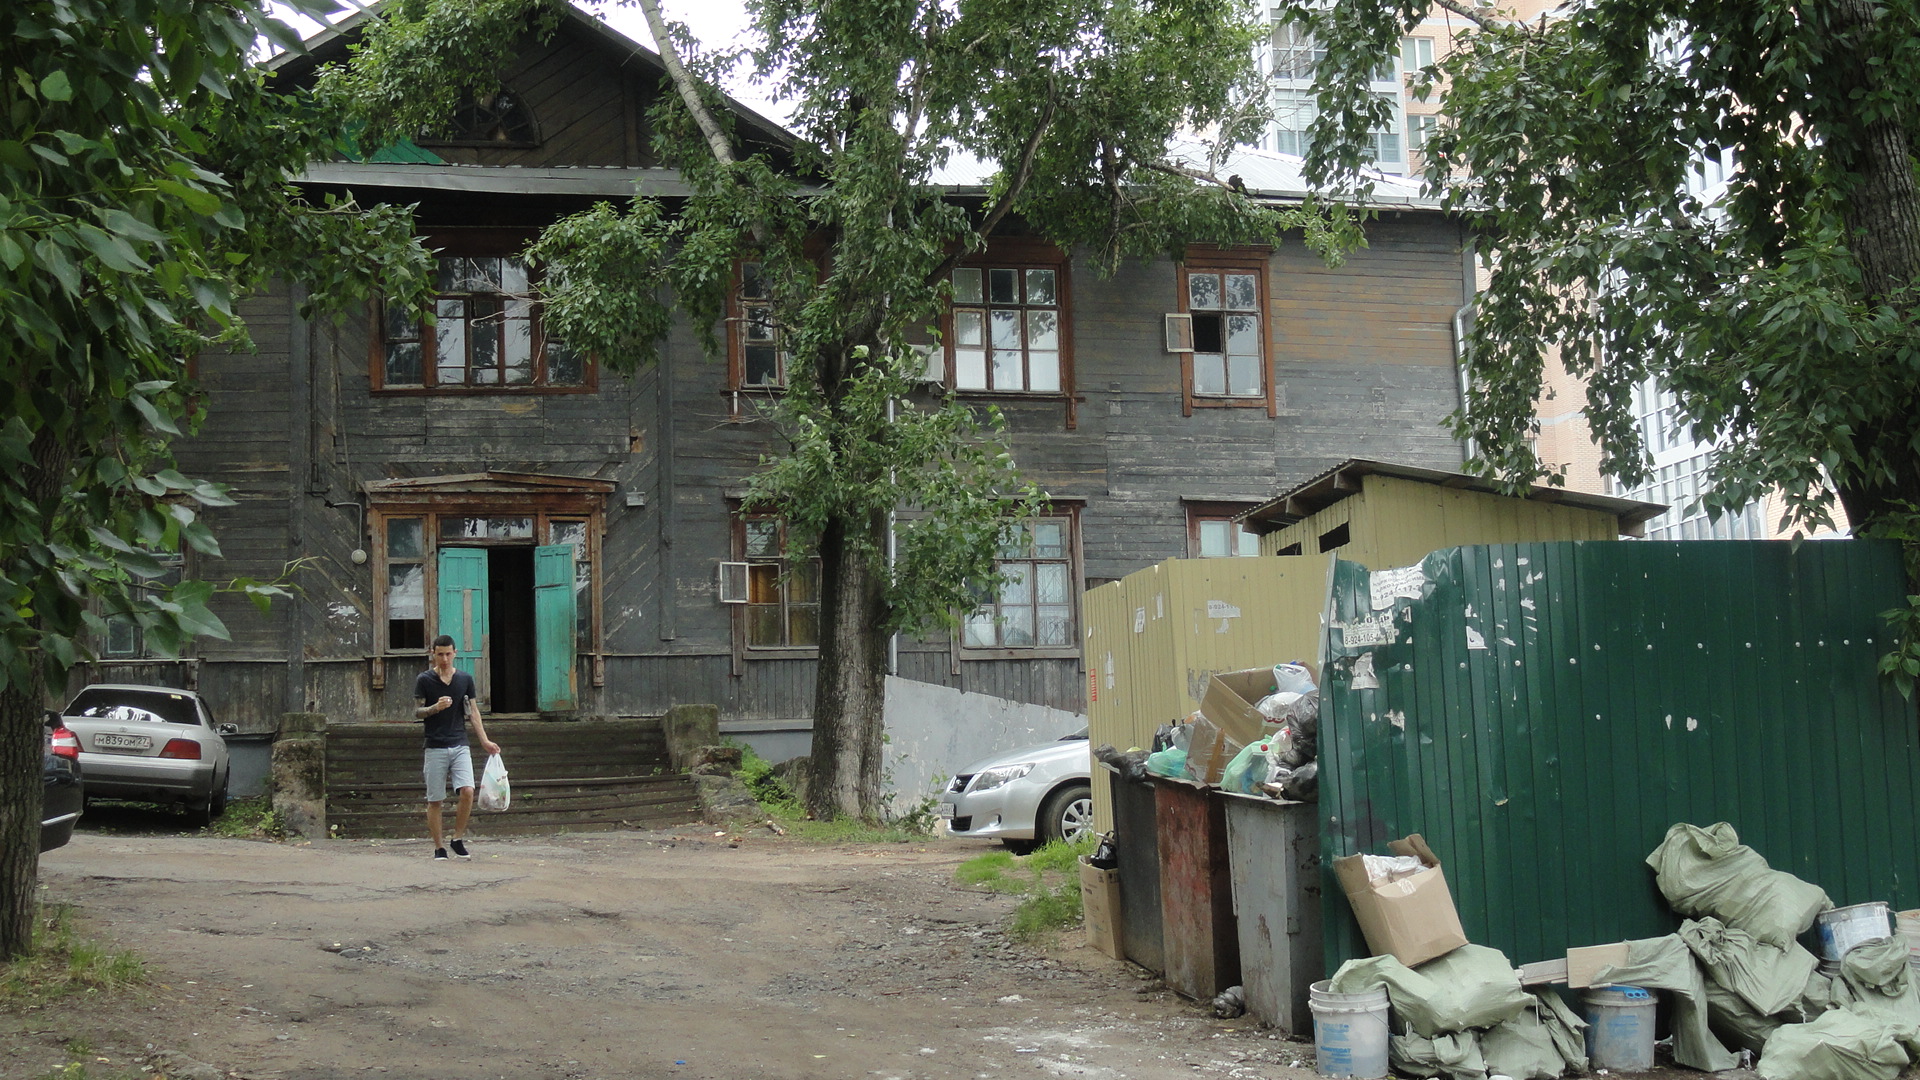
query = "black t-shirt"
{"x": 448, "y": 727}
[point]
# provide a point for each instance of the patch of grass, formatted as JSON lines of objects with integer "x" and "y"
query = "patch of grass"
{"x": 849, "y": 831}
{"x": 63, "y": 963}
{"x": 772, "y": 793}
{"x": 250, "y": 819}
{"x": 1048, "y": 881}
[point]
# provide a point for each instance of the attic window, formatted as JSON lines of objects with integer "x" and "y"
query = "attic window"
{"x": 500, "y": 120}
{"x": 1335, "y": 537}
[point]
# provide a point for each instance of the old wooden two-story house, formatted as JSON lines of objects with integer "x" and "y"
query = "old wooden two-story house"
{"x": 568, "y": 525}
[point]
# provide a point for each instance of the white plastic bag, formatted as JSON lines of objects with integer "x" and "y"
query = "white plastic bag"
{"x": 495, "y": 793}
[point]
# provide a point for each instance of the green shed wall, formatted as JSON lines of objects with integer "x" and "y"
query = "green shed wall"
{"x": 1623, "y": 687}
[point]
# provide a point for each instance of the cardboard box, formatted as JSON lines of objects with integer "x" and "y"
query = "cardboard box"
{"x": 1100, "y": 907}
{"x": 1412, "y": 918}
{"x": 1230, "y": 699}
{"x": 1209, "y": 750}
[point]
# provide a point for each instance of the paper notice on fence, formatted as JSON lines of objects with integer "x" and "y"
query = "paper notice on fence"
{"x": 1370, "y": 630}
{"x": 1220, "y": 609}
{"x": 1388, "y": 585}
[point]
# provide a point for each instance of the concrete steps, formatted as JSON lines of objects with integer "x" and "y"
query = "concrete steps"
{"x": 567, "y": 776}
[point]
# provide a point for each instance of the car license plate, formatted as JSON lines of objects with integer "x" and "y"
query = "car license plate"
{"x": 945, "y": 810}
{"x": 109, "y": 741}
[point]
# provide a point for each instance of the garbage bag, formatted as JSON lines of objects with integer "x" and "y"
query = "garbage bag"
{"x": 1456, "y": 1056}
{"x": 1770, "y": 978}
{"x": 495, "y": 792}
{"x": 1169, "y": 762}
{"x": 1665, "y": 963}
{"x": 1881, "y": 984}
{"x": 1293, "y": 677}
{"x": 1303, "y": 783}
{"x": 1710, "y": 872}
{"x": 1541, "y": 1043}
{"x": 1251, "y": 766}
{"x": 1838, "y": 1045}
{"x": 1736, "y": 1023}
{"x": 1471, "y": 987}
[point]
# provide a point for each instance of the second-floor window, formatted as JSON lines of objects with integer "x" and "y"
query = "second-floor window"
{"x": 1007, "y": 333}
{"x": 485, "y": 335}
{"x": 759, "y": 355}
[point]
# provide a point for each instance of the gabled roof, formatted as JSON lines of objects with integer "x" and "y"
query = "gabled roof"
{"x": 1343, "y": 481}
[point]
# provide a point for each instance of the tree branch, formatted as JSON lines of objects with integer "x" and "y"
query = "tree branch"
{"x": 1018, "y": 183}
{"x": 1171, "y": 169}
{"x": 689, "y": 91}
{"x": 1470, "y": 14}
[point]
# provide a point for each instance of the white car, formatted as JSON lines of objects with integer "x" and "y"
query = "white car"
{"x": 153, "y": 744}
{"x": 1025, "y": 797}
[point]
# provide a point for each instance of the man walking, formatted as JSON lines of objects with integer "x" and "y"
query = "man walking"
{"x": 446, "y": 697}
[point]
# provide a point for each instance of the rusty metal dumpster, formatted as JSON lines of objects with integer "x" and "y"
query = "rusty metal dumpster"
{"x": 1199, "y": 942}
{"x": 1273, "y": 855}
{"x": 1135, "y": 835}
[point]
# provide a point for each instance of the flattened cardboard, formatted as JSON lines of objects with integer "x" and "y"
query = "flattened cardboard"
{"x": 1209, "y": 750}
{"x": 1412, "y": 919}
{"x": 1584, "y": 960}
{"x": 1100, "y": 908}
{"x": 1230, "y": 699}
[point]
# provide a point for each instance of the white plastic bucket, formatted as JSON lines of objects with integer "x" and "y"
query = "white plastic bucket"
{"x": 1349, "y": 1032}
{"x": 1619, "y": 1028}
{"x": 1843, "y": 928}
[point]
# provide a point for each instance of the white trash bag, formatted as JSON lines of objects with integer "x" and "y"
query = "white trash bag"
{"x": 495, "y": 793}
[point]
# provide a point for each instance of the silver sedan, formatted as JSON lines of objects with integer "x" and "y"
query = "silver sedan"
{"x": 1024, "y": 797}
{"x": 151, "y": 743}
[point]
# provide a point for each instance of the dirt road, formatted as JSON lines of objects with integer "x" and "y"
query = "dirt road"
{"x": 606, "y": 955}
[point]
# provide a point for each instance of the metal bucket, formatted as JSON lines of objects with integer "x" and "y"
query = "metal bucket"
{"x": 1843, "y": 928}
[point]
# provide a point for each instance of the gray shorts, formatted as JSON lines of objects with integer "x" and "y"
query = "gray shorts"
{"x": 447, "y": 767}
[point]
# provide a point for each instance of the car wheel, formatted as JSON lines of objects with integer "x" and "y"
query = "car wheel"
{"x": 1066, "y": 815}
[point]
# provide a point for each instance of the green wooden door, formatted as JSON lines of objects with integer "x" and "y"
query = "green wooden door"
{"x": 463, "y": 613}
{"x": 553, "y": 620}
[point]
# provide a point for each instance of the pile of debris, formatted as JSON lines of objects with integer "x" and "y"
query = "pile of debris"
{"x": 1256, "y": 733}
{"x": 1737, "y": 978}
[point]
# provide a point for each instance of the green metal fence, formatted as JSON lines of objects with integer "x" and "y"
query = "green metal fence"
{"x": 1543, "y": 713}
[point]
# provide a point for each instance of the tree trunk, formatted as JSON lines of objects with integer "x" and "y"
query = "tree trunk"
{"x": 1882, "y": 212}
{"x": 20, "y": 743}
{"x": 849, "y": 686}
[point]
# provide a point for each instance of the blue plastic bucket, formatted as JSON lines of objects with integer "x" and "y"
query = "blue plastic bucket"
{"x": 1619, "y": 1028}
{"x": 1349, "y": 1032}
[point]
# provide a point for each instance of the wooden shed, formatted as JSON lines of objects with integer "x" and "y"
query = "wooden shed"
{"x": 1382, "y": 515}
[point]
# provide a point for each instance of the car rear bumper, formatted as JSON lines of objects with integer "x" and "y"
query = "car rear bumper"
{"x": 117, "y": 776}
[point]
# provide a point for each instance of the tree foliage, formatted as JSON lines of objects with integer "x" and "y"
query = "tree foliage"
{"x": 144, "y": 186}
{"x": 1779, "y": 310}
{"x": 902, "y": 493}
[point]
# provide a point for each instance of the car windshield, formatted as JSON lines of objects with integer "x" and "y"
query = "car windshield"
{"x": 140, "y": 706}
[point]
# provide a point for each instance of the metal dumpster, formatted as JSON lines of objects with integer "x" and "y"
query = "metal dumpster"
{"x": 1273, "y": 854}
{"x": 1135, "y": 834}
{"x": 1199, "y": 942}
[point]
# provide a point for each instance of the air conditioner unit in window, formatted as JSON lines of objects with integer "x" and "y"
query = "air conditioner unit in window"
{"x": 1179, "y": 333}
{"x": 732, "y": 583}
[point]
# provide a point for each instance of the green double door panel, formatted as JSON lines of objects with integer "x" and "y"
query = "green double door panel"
{"x": 463, "y": 615}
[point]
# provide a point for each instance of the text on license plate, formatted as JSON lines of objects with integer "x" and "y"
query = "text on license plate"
{"x": 122, "y": 742}
{"x": 945, "y": 810}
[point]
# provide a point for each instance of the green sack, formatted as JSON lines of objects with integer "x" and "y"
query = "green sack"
{"x": 1471, "y": 987}
{"x": 1665, "y": 963}
{"x": 1542, "y": 1043}
{"x": 1169, "y": 762}
{"x": 1736, "y": 1022}
{"x": 1710, "y": 872}
{"x": 1881, "y": 984}
{"x": 1234, "y": 778}
{"x": 1768, "y": 977}
{"x": 1839, "y": 1045}
{"x": 1456, "y": 1056}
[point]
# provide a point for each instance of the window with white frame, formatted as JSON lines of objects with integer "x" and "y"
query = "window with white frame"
{"x": 125, "y": 640}
{"x": 1216, "y": 536}
{"x": 1416, "y": 53}
{"x": 1032, "y": 604}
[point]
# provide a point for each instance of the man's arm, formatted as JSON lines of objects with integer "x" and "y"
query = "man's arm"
{"x": 428, "y": 708}
{"x": 479, "y": 730}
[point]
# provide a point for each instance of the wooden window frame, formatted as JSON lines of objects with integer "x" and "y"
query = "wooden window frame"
{"x": 737, "y": 528}
{"x": 544, "y": 510}
{"x": 1071, "y": 513}
{"x": 1198, "y": 512}
{"x": 1021, "y": 255}
{"x": 468, "y": 102}
{"x": 739, "y": 324}
{"x": 471, "y": 243}
{"x": 1258, "y": 263}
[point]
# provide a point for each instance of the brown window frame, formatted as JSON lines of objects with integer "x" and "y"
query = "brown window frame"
{"x": 741, "y": 325}
{"x": 744, "y": 649}
{"x": 1020, "y": 256}
{"x": 1075, "y": 560}
{"x": 1198, "y": 512}
{"x": 1203, "y": 261}
{"x": 471, "y": 243}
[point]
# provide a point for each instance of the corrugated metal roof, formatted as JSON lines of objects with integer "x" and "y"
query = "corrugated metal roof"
{"x": 1342, "y": 481}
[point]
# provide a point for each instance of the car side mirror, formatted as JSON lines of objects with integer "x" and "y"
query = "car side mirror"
{"x": 228, "y": 729}
{"x": 52, "y": 718}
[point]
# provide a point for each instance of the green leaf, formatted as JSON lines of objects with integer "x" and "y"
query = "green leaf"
{"x": 55, "y": 87}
